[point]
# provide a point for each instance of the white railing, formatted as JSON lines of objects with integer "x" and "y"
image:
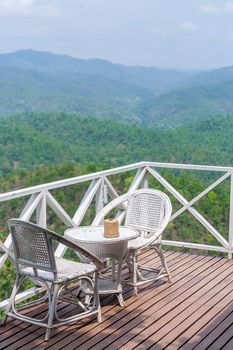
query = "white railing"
{"x": 101, "y": 188}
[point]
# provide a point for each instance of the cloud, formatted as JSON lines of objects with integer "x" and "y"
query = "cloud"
{"x": 158, "y": 32}
{"x": 189, "y": 26}
{"x": 12, "y": 4}
{"x": 208, "y": 8}
{"x": 33, "y": 8}
{"x": 228, "y": 6}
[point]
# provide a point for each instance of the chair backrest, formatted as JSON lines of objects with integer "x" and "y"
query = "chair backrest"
{"x": 147, "y": 209}
{"x": 32, "y": 245}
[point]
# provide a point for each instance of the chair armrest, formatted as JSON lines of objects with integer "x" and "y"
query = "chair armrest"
{"x": 74, "y": 246}
{"x": 113, "y": 204}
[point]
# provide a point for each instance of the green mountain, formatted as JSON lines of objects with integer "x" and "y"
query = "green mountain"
{"x": 32, "y": 81}
{"x": 45, "y": 82}
{"x": 35, "y": 139}
{"x": 26, "y": 90}
{"x": 150, "y": 78}
{"x": 188, "y": 104}
{"x": 209, "y": 78}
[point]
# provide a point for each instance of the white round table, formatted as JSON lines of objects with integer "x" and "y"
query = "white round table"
{"x": 92, "y": 238}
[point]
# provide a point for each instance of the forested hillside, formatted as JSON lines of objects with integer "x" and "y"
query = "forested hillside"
{"x": 188, "y": 104}
{"x": 34, "y": 139}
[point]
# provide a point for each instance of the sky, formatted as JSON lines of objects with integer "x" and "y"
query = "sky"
{"x": 184, "y": 34}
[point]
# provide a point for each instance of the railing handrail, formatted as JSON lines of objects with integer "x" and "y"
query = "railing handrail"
{"x": 67, "y": 182}
{"x": 190, "y": 166}
{"x": 87, "y": 177}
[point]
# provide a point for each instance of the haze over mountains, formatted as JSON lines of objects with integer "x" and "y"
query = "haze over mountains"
{"x": 33, "y": 81}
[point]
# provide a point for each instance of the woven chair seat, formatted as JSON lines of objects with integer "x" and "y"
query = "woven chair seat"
{"x": 66, "y": 270}
{"x": 140, "y": 242}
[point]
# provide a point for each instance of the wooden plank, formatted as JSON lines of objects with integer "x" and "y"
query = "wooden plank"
{"x": 214, "y": 295}
{"x": 210, "y": 329}
{"x": 224, "y": 341}
{"x": 229, "y": 344}
{"x": 84, "y": 321}
{"x": 145, "y": 258}
{"x": 64, "y": 337}
{"x": 136, "y": 309}
{"x": 199, "y": 282}
{"x": 28, "y": 331}
{"x": 156, "y": 316}
{"x": 17, "y": 336}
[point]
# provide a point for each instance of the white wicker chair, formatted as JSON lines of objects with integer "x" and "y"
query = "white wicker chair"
{"x": 34, "y": 258}
{"x": 148, "y": 211}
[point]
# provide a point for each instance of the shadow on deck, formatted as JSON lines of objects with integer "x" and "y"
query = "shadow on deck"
{"x": 195, "y": 311}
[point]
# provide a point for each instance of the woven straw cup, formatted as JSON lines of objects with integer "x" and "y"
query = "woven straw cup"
{"x": 111, "y": 228}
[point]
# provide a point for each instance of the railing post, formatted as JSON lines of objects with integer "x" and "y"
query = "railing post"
{"x": 41, "y": 212}
{"x": 231, "y": 218}
{"x": 105, "y": 194}
{"x": 99, "y": 198}
{"x": 145, "y": 183}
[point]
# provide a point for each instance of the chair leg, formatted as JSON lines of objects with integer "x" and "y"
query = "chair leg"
{"x": 163, "y": 262}
{"x": 119, "y": 286}
{"x": 52, "y": 308}
{"x": 120, "y": 299}
{"x": 11, "y": 300}
{"x": 97, "y": 298}
{"x": 135, "y": 274}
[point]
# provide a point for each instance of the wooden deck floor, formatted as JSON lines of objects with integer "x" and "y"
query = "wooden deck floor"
{"x": 195, "y": 311}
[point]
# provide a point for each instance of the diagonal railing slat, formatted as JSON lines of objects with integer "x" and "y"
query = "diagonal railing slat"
{"x": 99, "y": 197}
{"x": 86, "y": 201}
{"x": 138, "y": 179}
{"x": 200, "y": 195}
{"x": 41, "y": 211}
{"x": 81, "y": 211}
{"x": 57, "y": 209}
{"x": 25, "y": 215}
{"x": 30, "y": 206}
{"x": 193, "y": 211}
{"x": 112, "y": 192}
{"x": 140, "y": 175}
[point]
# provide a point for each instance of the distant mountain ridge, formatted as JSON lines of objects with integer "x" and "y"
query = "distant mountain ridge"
{"x": 151, "y": 78}
{"x": 182, "y": 105}
{"x": 32, "y": 81}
